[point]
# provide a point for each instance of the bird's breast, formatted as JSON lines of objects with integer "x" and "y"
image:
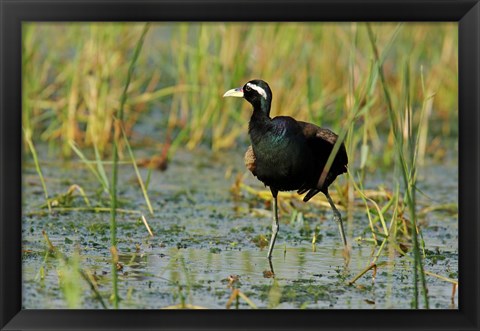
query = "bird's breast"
{"x": 282, "y": 161}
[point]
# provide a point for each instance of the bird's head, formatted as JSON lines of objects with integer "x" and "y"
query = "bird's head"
{"x": 256, "y": 91}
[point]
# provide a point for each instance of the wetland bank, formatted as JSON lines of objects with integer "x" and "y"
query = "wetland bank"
{"x": 192, "y": 225}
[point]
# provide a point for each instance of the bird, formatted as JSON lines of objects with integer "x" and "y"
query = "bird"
{"x": 289, "y": 155}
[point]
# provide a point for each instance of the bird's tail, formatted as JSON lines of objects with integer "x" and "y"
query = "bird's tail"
{"x": 310, "y": 194}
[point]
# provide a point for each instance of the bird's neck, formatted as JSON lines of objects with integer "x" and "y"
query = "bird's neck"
{"x": 261, "y": 110}
{"x": 260, "y": 121}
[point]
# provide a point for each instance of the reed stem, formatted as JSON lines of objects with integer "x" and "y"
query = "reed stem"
{"x": 116, "y": 139}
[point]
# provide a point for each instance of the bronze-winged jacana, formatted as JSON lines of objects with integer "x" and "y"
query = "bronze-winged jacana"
{"x": 287, "y": 154}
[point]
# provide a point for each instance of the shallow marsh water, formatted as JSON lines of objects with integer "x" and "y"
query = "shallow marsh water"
{"x": 206, "y": 241}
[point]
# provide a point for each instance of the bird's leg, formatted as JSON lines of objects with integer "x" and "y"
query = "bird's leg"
{"x": 271, "y": 267}
{"x": 337, "y": 217}
{"x": 274, "y": 223}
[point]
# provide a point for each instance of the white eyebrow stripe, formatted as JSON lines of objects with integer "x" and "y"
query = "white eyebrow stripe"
{"x": 260, "y": 90}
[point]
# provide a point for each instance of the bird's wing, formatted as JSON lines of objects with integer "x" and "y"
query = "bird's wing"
{"x": 323, "y": 140}
{"x": 312, "y": 131}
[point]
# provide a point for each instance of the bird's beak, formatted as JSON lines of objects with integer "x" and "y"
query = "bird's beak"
{"x": 234, "y": 92}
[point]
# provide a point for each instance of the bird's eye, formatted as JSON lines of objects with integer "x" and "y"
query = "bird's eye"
{"x": 248, "y": 88}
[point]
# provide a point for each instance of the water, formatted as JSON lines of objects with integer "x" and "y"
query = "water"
{"x": 206, "y": 243}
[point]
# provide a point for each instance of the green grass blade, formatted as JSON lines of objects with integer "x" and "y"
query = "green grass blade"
{"x": 137, "y": 172}
{"x": 102, "y": 180}
{"x": 118, "y": 125}
{"x": 28, "y": 140}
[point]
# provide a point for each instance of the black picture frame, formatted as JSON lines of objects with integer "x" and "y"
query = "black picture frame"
{"x": 14, "y": 12}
